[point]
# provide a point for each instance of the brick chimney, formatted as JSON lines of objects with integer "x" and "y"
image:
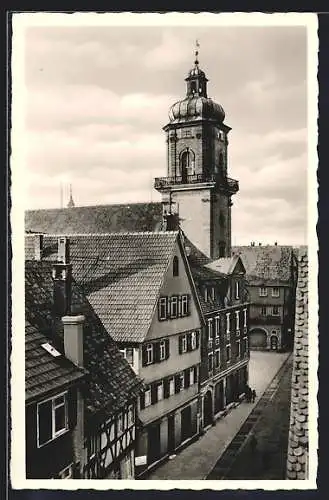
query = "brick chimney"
{"x": 73, "y": 338}
{"x": 62, "y": 278}
{"x": 38, "y": 246}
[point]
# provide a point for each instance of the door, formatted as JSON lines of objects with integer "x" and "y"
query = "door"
{"x": 274, "y": 343}
{"x": 153, "y": 443}
{"x": 219, "y": 396}
{"x": 207, "y": 409}
{"x": 171, "y": 433}
{"x": 186, "y": 423}
{"x": 258, "y": 339}
{"x": 185, "y": 163}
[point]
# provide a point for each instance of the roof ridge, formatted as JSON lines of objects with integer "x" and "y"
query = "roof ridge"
{"x": 119, "y": 233}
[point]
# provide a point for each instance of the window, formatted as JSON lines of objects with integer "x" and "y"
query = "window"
{"x": 213, "y": 294}
{"x": 237, "y": 289}
{"x": 246, "y": 346}
{"x": 210, "y": 329}
{"x": 237, "y": 321}
{"x": 52, "y": 418}
{"x": 175, "y": 266}
{"x": 238, "y": 346}
{"x": 228, "y": 326}
{"x": 187, "y": 133}
{"x": 210, "y": 362}
{"x": 179, "y": 382}
{"x": 217, "y": 329}
{"x": 193, "y": 340}
{"x": 149, "y": 354}
{"x": 184, "y": 343}
{"x": 275, "y": 310}
{"x": 171, "y": 386}
{"x": 275, "y": 292}
{"x": 245, "y": 318}
{"x": 192, "y": 376}
{"x": 217, "y": 358}
{"x": 228, "y": 353}
{"x": 120, "y": 424}
{"x": 195, "y": 370}
{"x": 263, "y": 291}
{"x": 174, "y": 307}
{"x": 162, "y": 308}
{"x": 128, "y": 354}
{"x": 162, "y": 350}
{"x": 147, "y": 395}
{"x": 263, "y": 311}
{"x": 131, "y": 418}
{"x": 160, "y": 391}
{"x": 66, "y": 473}
{"x": 205, "y": 294}
{"x": 185, "y": 310}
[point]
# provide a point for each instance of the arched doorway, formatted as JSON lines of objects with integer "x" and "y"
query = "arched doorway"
{"x": 207, "y": 409}
{"x": 274, "y": 342}
{"x": 257, "y": 338}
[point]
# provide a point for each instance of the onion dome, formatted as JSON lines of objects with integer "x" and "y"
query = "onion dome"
{"x": 196, "y": 105}
{"x": 196, "y": 108}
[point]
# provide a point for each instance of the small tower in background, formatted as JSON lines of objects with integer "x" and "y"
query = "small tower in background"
{"x": 71, "y": 203}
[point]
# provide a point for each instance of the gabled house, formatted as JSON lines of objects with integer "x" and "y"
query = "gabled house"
{"x": 141, "y": 287}
{"x": 105, "y": 410}
{"x": 225, "y": 335}
{"x": 271, "y": 273}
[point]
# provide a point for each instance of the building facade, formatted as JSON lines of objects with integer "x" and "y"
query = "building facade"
{"x": 197, "y": 186}
{"x": 271, "y": 273}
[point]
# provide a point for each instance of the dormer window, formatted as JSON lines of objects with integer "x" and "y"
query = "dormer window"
{"x": 206, "y": 294}
{"x": 263, "y": 291}
{"x": 237, "y": 289}
{"x": 52, "y": 417}
{"x": 175, "y": 266}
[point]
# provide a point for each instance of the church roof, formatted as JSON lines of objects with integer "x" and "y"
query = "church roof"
{"x": 95, "y": 219}
{"x": 268, "y": 263}
{"x": 110, "y": 383}
{"x": 120, "y": 274}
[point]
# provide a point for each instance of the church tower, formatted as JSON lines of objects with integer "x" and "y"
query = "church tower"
{"x": 197, "y": 187}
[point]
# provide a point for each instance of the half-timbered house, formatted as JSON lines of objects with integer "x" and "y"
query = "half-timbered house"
{"x": 107, "y": 408}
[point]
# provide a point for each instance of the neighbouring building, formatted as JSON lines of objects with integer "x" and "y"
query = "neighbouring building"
{"x": 298, "y": 452}
{"x": 271, "y": 273}
{"x": 81, "y": 394}
{"x": 225, "y": 335}
{"x": 142, "y": 289}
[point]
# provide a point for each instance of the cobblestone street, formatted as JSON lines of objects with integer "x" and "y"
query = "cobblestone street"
{"x": 199, "y": 459}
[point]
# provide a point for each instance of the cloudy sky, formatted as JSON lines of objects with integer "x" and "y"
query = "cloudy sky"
{"x": 98, "y": 97}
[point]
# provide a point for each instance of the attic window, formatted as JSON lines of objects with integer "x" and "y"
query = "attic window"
{"x": 175, "y": 266}
{"x": 49, "y": 348}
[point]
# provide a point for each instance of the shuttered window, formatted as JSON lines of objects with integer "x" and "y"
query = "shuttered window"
{"x": 162, "y": 308}
{"x": 52, "y": 417}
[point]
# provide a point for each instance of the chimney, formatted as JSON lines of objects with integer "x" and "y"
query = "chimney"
{"x": 38, "y": 245}
{"x": 259, "y": 244}
{"x": 73, "y": 338}
{"x": 62, "y": 277}
{"x": 276, "y": 243}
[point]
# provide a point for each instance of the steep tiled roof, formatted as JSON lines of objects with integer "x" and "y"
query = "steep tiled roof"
{"x": 44, "y": 373}
{"x": 203, "y": 275}
{"x": 266, "y": 263}
{"x": 96, "y": 219}
{"x": 110, "y": 382}
{"x": 224, "y": 265}
{"x": 121, "y": 275}
{"x": 298, "y": 432}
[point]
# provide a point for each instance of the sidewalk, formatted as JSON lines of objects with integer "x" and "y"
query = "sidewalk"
{"x": 198, "y": 459}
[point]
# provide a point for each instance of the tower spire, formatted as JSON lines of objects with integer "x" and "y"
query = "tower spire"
{"x": 71, "y": 203}
{"x": 197, "y": 45}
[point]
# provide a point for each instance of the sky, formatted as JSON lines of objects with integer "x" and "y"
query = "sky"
{"x": 98, "y": 97}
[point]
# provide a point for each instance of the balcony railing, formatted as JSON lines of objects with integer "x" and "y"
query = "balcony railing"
{"x": 163, "y": 182}
{"x": 272, "y": 320}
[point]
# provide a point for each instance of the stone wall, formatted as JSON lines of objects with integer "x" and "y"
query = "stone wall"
{"x": 297, "y": 458}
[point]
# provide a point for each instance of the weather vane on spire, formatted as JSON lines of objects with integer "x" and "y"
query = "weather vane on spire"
{"x": 197, "y": 45}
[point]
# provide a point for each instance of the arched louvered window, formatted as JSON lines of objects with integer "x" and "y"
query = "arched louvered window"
{"x": 175, "y": 266}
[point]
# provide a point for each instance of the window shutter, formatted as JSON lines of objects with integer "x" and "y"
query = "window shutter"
{"x": 177, "y": 384}
{"x": 195, "y": 369}
{"x": 189, "y": 343}
{"x": 179, "y": 306}
{"x": 156, "y": 352}
{"x": 142, "y": 401}
{"x": 144, "y": 355}
{"x": 166, "y": 388}
{"x": 187, "y": 378}
{"x": 197, "y": 339}
{"x": 154, "y": 394}
{"x": 167, "y": 347}
{"x": 188, "y": 305}
{"x": 72, "y": 408}
{"x": 180, "y": 344}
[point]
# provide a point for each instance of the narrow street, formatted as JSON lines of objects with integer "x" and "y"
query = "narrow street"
{"x": 203, "y": 458}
